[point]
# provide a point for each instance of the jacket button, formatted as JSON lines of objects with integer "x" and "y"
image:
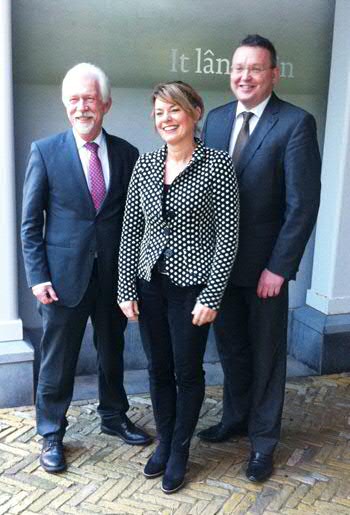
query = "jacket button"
{"x": 170, "y": 214}
{"x": 166, "y": 231}
{"x": 168, "y": 253}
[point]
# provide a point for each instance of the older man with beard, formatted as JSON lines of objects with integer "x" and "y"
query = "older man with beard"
{"x": 73, "y": 204}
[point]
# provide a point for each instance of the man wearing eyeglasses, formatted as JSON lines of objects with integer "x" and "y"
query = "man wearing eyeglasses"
{"x": 274, "y": 148}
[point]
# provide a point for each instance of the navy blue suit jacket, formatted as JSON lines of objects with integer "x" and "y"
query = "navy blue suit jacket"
{"x": 61, "y": 231}
{"x": 279, "y": 182}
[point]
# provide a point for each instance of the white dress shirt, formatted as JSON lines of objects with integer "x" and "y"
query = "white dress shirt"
{"x": 102, "y": 153}
{"x": 257, "y": 112}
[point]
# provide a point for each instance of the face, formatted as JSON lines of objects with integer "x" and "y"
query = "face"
{"x": 173, "y": 124}
{"x": 85, "y": 108}
{"x": 252, "y": 77}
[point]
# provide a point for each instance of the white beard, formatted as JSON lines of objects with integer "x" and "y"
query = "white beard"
{"x": 84, "y": 128}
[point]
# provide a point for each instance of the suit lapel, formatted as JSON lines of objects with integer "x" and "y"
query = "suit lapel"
{"x": 114, "y": 167}
{"x": 267, "y": 121}
{"x": 226, "y": 126}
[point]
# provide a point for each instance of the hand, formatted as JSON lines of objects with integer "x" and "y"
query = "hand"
{"x": 269, "y": 284}
{"x": 130, "y": 309}
{"x": 203, "y": 315}
{"x": 44, "y": 293}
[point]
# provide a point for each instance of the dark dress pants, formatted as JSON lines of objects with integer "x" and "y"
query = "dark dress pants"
{"x": 251, "y": 337}
{"x": 60, "y": 345}
{"x": 174, "y": 348}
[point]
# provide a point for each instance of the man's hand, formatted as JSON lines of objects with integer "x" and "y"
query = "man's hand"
{"x": 203, "y": 315}
{"x": 130, "y": 309}
{"x": 44, "y": 293}
{"x": 269, "y": 284}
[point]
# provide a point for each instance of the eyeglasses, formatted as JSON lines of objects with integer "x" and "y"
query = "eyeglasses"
{"x": 251, "y": 70}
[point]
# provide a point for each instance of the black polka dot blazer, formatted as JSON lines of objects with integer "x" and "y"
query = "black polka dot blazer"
{"x": 198, "y": 235}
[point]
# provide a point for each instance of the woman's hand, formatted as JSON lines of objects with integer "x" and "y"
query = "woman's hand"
{"x": 130, "y": 309}
{"x": 203, "y": 315}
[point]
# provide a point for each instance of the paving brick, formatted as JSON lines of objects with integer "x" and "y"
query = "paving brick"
{"x": 82, "y": 494}
{"x": 162, "y": 500}
{"x": 213, "y": 507}
{"x": 120, "y": 486}
{"x": 245, "y": 504}
{"x": 199, "y": 508}
{"x": 45, "y": 500}
{"x": 330, "y": 508}
{"x": 27, "y": 501}
{"x": 312, "y": 464}
{"x": 280, "y": 498}
{"x": 13, "y": 501}
{"x": 297, "y": 496}
{"x": 263, "y": 501}
{"x": 232, "y": 502}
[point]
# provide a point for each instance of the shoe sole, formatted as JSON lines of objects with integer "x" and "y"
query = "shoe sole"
{"x": 53, "y": 470}
{"x": 156, "y": 474}
{"x": 254, "y": 479}
{"x": 174, "y": 489}
{"x": 129, "y": 442}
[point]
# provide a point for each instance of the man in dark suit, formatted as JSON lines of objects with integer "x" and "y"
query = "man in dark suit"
{"x": 275, "y": 152}
{"x": 74, "y": 195}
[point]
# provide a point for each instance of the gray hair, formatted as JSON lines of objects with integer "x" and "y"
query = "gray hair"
{"x": 87, "y": 70}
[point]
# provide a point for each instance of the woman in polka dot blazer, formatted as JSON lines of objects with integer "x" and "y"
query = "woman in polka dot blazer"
{"x": 178, "y": 246}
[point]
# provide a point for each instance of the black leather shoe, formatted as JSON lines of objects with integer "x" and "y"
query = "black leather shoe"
{"x": 52, "y": 458}
{"x": 260, "y": 467}
{"x": 156, "y": 464}
{"x": 127, "y": 431}
{"x": 174, "y": 477}
{"x": 220, "y": 433}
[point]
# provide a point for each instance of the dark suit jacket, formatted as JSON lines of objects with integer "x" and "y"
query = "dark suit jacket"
{"x": 61, "y": 231}
{"x": 279, "y": 181}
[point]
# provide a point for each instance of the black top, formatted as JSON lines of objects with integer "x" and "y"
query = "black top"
{"x": 161, "y": 261}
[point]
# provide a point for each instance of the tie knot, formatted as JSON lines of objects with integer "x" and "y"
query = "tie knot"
{"x": 246, "y": 116}
{"x": 92, "y": 146}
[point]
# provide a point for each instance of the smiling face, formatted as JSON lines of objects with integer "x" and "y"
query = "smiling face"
{"x": 252, "y": 76}
{"x": 84, "y": 106}
{"x": 173, "y": 123}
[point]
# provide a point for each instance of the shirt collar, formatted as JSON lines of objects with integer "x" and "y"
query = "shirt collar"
{"x": 257, "y": 110}
{"x": 80, "y": 142}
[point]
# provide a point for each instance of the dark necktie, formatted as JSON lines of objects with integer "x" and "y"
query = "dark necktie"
{"x": 242, "y": 137}
{"x": 96, "y": 180}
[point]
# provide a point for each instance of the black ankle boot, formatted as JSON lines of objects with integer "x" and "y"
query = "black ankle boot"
{"x": 156, "y": 464}
{"x": 174, "y": 477}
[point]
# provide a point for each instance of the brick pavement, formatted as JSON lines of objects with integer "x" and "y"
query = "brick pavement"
{"x": 312, "y": 473}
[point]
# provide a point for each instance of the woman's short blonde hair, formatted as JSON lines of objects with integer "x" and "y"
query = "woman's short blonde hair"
{"x": 181, "y": 94}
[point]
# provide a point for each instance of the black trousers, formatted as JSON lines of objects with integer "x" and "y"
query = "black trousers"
{"x": 60, "y": 345}
{"x": 251, "y": 337}
{"x": 174, "y": 348}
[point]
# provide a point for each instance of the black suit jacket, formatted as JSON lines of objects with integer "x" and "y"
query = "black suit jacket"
{"x": 61, "y": 231}
{"x": 279, "y": 182}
